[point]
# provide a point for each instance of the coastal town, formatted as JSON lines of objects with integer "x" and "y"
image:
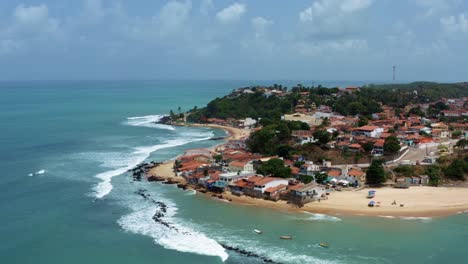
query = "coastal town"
{"x": 382, "y": 159}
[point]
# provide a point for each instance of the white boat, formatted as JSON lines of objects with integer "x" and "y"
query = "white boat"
{"x": 257, "y": 231}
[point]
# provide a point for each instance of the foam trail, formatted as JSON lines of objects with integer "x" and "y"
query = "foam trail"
{"x": 39, "y": 172}
{"x": 148, "y": 121}
{"x": 322, "y": 217}
{"x": 183, "y": 239}
{"x": 105, "y": 186}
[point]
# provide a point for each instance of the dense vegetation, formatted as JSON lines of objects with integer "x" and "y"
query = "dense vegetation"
{"x": 274, "y": 139}
{"x": 364, "y": 102}
{"x": 254, "y": 105}
{"x": 375, "y": 174}
{"x": 274, "y": 167}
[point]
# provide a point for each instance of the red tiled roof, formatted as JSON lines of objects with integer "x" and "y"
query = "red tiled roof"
{"x": 334, "y": 173}
{"x": 276, "y": 188}
{"x": 367, "y": 128}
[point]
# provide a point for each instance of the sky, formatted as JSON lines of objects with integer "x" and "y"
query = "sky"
{"x": 255, "y": 40}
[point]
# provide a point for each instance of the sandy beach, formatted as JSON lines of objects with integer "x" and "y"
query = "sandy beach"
{"x": 234, "y": 133}
{"x": 418, "y": 201}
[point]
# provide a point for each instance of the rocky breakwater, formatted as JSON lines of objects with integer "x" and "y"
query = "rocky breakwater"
{"x": 142, "y": 169}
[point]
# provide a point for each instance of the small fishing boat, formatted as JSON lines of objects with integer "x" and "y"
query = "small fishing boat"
{"x": 257, "y": 231}
{"x": 324, "y": 245}
{"x": 285, "y": 237}
{"x": 371, "y": 194}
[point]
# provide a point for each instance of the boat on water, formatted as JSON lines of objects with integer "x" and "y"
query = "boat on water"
{"x": 285, "y": 237}
{"x": 324, "y": 245}
{"x": 257, "y": 231}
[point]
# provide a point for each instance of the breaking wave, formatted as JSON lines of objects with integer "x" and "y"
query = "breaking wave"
{"x": 148, "y": 121}
{"x": 181, "y": 237}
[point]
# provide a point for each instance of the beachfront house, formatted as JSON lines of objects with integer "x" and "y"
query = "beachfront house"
{"x": 268, "y": 182}
{"x": 307, "y": 193}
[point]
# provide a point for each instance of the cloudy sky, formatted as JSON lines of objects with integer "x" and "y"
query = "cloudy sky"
{"x": 222, "y": 39}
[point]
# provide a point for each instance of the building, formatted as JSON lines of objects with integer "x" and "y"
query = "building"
{"x": 268, "y": 182}
{"x": 234, "y": 176}
{"x": 236, "y": 166}
{"x": 307, "y": 193}
{"x": 368, "y": 131}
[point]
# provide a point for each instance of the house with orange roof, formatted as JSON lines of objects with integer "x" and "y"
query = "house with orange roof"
{"x": 355, "y": 176}
{"x": 354, "y": 147}
{"x": 274, "y": 193}
{"x": 268, "y": 182}
{"x": 378, "y": 148}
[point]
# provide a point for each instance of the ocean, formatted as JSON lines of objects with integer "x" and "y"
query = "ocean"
{"x": 65, "y": 196}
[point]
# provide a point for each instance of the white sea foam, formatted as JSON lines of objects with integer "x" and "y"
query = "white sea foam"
{"x": 387, "y": 216}
{"x": 191, "y": 192}
{"x": 148, "y": 121}
{"x": 138, "y": 156}
{"x": 416, "y": 218}
{"x": 181, "y": 238}
{"x": 322, "y": 217}
{"x": 39, "y": 172}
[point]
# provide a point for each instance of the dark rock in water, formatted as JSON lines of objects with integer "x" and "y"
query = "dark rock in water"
{"x": 182, "y": 186}
{"x": 165, "y": 120}
{"x": 216, "y": 138}
{"x": 155, "y": 178}
{"x": 169, "y": 181}
{"x": 247, "y": 253}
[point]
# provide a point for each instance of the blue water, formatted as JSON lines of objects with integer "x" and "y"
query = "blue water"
{"x": 84, "y": 134}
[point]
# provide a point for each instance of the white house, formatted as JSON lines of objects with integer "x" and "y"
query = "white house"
{"x": 268, "y": 182}
{"x": 234, "y": 176}
{"x": 368, "y": 131}
{"x": 249, "y": 122}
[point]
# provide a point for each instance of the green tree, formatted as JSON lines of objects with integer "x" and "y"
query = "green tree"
{"x": 274, "y": 167}
{"x": 375, "y": 174}
{"x": 322, "y": 136}
{"x": 391, "y": 145}
{"x": 433, "y": 171}
{"x": 363, "y": 121}
{"x": 456, "y": 170}
{"x": 320, "y": 177}
{"x": 456, "y": 134}
{"x": 218, "y": 158}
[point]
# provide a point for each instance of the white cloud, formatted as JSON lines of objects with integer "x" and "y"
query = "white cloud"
{"x": 260, "y": 24}
{"x": 455, "y": 24}
{"x": 326, "y": 8}
{"x": 34, "y": 18}
{"x": 334, "y": 17}
{"x": 172, "y": 17}
{"x": 231, "y": 13}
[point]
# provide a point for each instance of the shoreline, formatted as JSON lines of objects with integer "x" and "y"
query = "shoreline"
{"x": 418, "y": 201}
{"x": 351, "y": 203}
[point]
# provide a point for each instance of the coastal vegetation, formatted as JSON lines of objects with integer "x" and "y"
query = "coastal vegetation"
{"x": 363, "y": 102}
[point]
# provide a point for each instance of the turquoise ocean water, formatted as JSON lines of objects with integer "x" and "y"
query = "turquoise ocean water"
{"x": 64, "y": 196}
